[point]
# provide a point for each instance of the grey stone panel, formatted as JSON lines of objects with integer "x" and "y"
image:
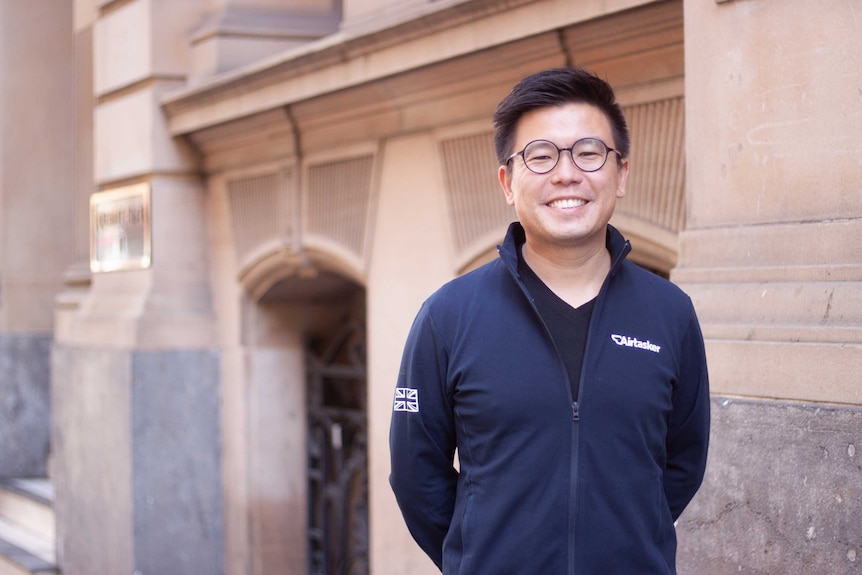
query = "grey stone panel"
{"x": 178, "y": 520}
{"x": 782, "y": 493}
{"x": 25, "y": 404}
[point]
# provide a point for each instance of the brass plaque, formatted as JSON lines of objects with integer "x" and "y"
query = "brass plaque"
{"x": 120, "y": 229}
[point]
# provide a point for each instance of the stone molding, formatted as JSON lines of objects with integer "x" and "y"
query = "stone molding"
{"x": 355, "y": 57}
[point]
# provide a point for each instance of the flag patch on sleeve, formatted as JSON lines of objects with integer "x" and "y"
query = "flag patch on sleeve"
{"x": 406, "y": 399}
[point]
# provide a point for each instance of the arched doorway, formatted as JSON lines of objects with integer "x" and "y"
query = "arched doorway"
{"x": 326, "y": 311}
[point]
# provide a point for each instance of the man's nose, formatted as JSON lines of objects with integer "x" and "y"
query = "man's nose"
{"x": 566, "y": 167}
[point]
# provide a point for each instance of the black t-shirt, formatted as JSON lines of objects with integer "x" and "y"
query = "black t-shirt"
{"x": 568, "y": 325}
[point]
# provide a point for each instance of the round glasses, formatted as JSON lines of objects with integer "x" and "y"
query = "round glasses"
{"x": 542, "y": 156}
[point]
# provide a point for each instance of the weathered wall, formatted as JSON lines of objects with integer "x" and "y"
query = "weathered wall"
{"x": 771, "y": 259}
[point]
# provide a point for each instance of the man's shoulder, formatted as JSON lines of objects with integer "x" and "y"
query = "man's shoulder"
{"x": 465, "y": 286}
{"x": 649, "y": 284}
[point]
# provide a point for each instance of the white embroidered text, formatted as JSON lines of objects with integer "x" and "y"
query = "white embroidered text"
{"x": 627, "y": 341}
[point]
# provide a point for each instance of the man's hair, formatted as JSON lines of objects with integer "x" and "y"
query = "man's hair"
{"x": 557, "y": 87}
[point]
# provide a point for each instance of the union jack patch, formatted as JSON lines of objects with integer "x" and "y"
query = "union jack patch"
{"x": 406, "y": 399}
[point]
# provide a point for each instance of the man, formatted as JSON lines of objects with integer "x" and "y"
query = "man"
{"x": 572, "y": 383}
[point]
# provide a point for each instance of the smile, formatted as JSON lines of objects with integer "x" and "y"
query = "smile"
{"x": 567, "y": 203}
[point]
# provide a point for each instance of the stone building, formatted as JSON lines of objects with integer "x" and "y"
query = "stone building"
{"x": 219, "y": 217}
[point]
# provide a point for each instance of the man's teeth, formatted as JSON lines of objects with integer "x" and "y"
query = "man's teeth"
{"x": 567, "y": 203}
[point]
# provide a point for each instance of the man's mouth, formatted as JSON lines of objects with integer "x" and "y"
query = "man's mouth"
{"x": 567, "y": 203}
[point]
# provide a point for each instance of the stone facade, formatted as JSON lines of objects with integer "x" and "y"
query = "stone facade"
{"x": 318, "y": 164}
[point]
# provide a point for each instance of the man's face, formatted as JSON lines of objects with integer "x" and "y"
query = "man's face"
{"x": 565, "y": 207}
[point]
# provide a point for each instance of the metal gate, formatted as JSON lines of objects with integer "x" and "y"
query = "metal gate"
{"x": 337, "y": 454}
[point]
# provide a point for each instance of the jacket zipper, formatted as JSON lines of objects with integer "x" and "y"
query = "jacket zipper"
{"x": 576, "y": 416}
{"x": 576, "y": 407}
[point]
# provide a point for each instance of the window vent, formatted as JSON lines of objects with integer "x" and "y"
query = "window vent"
{"x": 261, "y": 211}
{"x": 655, "y": 191}
{"x": 338, "y": 201}
{"x": 477, "y": 206}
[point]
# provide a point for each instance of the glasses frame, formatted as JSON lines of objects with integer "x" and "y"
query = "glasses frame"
{"x": 560, "y": 151}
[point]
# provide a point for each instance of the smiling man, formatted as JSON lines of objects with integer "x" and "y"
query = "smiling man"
{"x": 572, "y": 383}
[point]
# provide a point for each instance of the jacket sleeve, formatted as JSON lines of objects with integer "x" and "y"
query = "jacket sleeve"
{"x": 688, "y": 430}
{"x": 422, "y": 439}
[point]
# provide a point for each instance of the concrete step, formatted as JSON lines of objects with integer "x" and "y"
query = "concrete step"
{"x": 27, "y": 531}
{"x": 29, "y": 504}
{"x": 15, "y": 560}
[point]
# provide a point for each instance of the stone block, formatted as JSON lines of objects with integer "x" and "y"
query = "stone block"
{"x": 131, "y": 138}
{"x": 91, "y": 464}
{"x": 122, "y": 47}
{"x": 143, "y": 39}
{"x": 782, "y": 491}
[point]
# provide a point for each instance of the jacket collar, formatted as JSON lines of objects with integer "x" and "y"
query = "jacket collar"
{"x": 618, "y": 246}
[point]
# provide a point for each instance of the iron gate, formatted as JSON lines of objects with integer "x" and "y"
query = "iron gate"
{"x": 337, "y": 454}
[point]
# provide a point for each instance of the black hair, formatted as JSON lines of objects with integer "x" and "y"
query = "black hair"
{"x": 556, "y": 87}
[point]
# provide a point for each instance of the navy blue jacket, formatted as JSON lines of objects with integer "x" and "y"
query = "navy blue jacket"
{"x": 549, "y": 484}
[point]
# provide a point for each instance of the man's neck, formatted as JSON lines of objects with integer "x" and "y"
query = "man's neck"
{"x": 575, "y": 274}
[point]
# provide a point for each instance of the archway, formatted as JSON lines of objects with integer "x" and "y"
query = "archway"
{"x": 335, "y": 412}
{"x": 304, "y": 340}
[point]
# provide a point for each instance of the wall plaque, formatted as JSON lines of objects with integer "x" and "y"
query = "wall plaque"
{"x": 120, "y": 229}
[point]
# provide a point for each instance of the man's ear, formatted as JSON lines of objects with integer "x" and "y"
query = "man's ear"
{"x": 505, "y": 178}
{"x": 622, "y": 176}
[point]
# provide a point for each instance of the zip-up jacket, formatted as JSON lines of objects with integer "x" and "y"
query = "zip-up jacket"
{"x": 547, "y": 483}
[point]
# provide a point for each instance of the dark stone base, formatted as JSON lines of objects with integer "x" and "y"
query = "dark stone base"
{"x": 782, "y": 494}
{"x": 25, "y": 405}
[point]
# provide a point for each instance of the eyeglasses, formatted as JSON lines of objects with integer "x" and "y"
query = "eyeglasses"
{"x": 542, "y": 156}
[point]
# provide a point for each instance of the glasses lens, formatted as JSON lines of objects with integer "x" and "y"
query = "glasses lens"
{"x": 589, "y": 154}
{"x": 541, "y": 156}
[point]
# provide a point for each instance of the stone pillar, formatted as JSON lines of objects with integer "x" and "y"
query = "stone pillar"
{"x": 36, "y": 171}
{"x": 771, "y": 257}
{"x": 136, "y": 373}
{"x": 393, "y": 301}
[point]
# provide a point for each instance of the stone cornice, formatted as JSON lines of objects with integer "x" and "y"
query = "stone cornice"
{"x": 366, "y": 52}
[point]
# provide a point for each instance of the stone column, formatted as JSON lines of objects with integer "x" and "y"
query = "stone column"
{"x": 772, "y": 257}
{"x": 36, "y": 174}
{"x": 136, "y": 378}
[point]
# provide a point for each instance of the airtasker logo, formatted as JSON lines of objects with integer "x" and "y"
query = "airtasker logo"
{"x": 626, "y": 341}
